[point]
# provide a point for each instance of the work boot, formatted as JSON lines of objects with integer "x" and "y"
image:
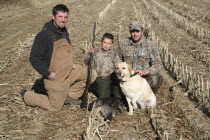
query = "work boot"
{"x": 22, "y": 92}
{"x": 72, "y": 101}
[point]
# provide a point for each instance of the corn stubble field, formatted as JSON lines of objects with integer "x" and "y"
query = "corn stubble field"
{"x": 180, "y": 29}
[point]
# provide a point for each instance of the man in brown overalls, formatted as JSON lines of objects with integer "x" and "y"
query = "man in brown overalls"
{"x": 52, "y": 56}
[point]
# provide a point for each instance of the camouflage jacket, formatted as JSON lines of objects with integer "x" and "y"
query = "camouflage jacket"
{"x": 104, "y": 62}
{"x": 144, "y": 56}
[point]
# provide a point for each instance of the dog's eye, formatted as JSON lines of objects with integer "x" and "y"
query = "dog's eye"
{"x": 123, "y": 68}
{"x": 117, "y": 68}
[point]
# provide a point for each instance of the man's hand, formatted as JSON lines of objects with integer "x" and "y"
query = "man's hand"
{"x": 142, "y": 72}
{"x": 51, "y": 76}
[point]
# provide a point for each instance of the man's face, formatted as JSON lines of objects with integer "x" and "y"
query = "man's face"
{"x": 60, "y": 19}
{"x": 136, "y": 35}
{"x": 106, "y": 44}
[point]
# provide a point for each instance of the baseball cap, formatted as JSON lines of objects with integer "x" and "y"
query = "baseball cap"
{"x": 135, "y": 25}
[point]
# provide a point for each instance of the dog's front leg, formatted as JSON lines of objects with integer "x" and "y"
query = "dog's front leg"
{"x": 135, "y": 98}
{"x": 130, "y": 106}
{"x": 133, "y": 101}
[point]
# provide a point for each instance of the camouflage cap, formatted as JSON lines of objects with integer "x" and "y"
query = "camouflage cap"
{"x": 135, "y": 25}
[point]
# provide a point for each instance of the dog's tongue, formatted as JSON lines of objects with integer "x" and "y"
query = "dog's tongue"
{"x": 119, "y": 77}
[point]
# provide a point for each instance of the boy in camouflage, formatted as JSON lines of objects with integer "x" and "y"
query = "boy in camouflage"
{"x": 142, "y": 55}
{"x": 104, "y": 62}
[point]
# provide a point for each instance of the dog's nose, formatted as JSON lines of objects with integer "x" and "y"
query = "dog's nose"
{"x": 118, "y": 74}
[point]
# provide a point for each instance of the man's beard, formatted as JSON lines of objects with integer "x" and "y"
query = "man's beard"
{"x": 135, "y": 41}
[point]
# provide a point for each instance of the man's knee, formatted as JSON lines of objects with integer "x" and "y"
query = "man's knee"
{"x": 42, "y": 101}
{"x": 56, "y": 104}
{"x": 155, "y": 81}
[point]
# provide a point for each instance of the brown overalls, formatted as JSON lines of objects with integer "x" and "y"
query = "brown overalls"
{"x": 68, "y": 81}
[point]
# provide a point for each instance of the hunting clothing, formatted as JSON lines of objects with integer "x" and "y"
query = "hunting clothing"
{"x": 52, "y": 52}
{"x": 104, "y": 62}
{"x": 143, "y": 56}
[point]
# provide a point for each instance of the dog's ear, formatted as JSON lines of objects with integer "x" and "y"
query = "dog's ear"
{"x": 130, "y": 70}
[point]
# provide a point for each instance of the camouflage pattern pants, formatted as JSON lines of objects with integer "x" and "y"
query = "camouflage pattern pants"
{"x": 155, "y": 81}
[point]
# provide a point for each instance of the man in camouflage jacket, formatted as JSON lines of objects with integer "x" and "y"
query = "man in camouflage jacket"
{"x": 142, "y": 55}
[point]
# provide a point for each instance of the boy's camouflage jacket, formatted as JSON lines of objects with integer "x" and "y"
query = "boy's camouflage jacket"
{"x": 104, "y": 62}
{"x": 144, "y": 56}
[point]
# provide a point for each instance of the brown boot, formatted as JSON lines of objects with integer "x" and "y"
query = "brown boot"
{"x": 22, "y": 92}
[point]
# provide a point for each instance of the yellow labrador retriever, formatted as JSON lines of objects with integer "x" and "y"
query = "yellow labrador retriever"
{"x": 136, "y": 89}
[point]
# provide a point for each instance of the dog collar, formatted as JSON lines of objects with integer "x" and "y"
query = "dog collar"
{"x": 134, "y": 74}
{"x": 122, "y": 82}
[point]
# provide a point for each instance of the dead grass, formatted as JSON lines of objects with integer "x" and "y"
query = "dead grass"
{"x": 8, "y": 4}
{"x": 16, "y": 3}
{"x": 174, "y": 118}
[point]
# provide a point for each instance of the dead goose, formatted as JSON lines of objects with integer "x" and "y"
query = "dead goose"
{"x": 110, "y": 107}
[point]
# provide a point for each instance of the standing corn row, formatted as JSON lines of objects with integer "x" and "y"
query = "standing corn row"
{"x": 193, "y": 82}
{"x": 203, "y": 58}
{"x": 102, "y": 14}
{"x": 190, "y": 27}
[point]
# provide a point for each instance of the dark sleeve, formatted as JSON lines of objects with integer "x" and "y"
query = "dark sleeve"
{"x": 37, "y": 54}
{"x": 68, "y": 37}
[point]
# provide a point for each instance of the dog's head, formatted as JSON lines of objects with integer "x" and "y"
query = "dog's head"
{"x": 123, "y": 71}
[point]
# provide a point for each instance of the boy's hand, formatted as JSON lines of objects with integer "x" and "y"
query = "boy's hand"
{"x": 74, "y": 66}
{"x": 91, "y": 50}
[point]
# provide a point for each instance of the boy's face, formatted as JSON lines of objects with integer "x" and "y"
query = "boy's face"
{"x": 106, "y": 44}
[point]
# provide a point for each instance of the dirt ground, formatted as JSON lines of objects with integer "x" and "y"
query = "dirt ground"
{"x": 175, "y": 117}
